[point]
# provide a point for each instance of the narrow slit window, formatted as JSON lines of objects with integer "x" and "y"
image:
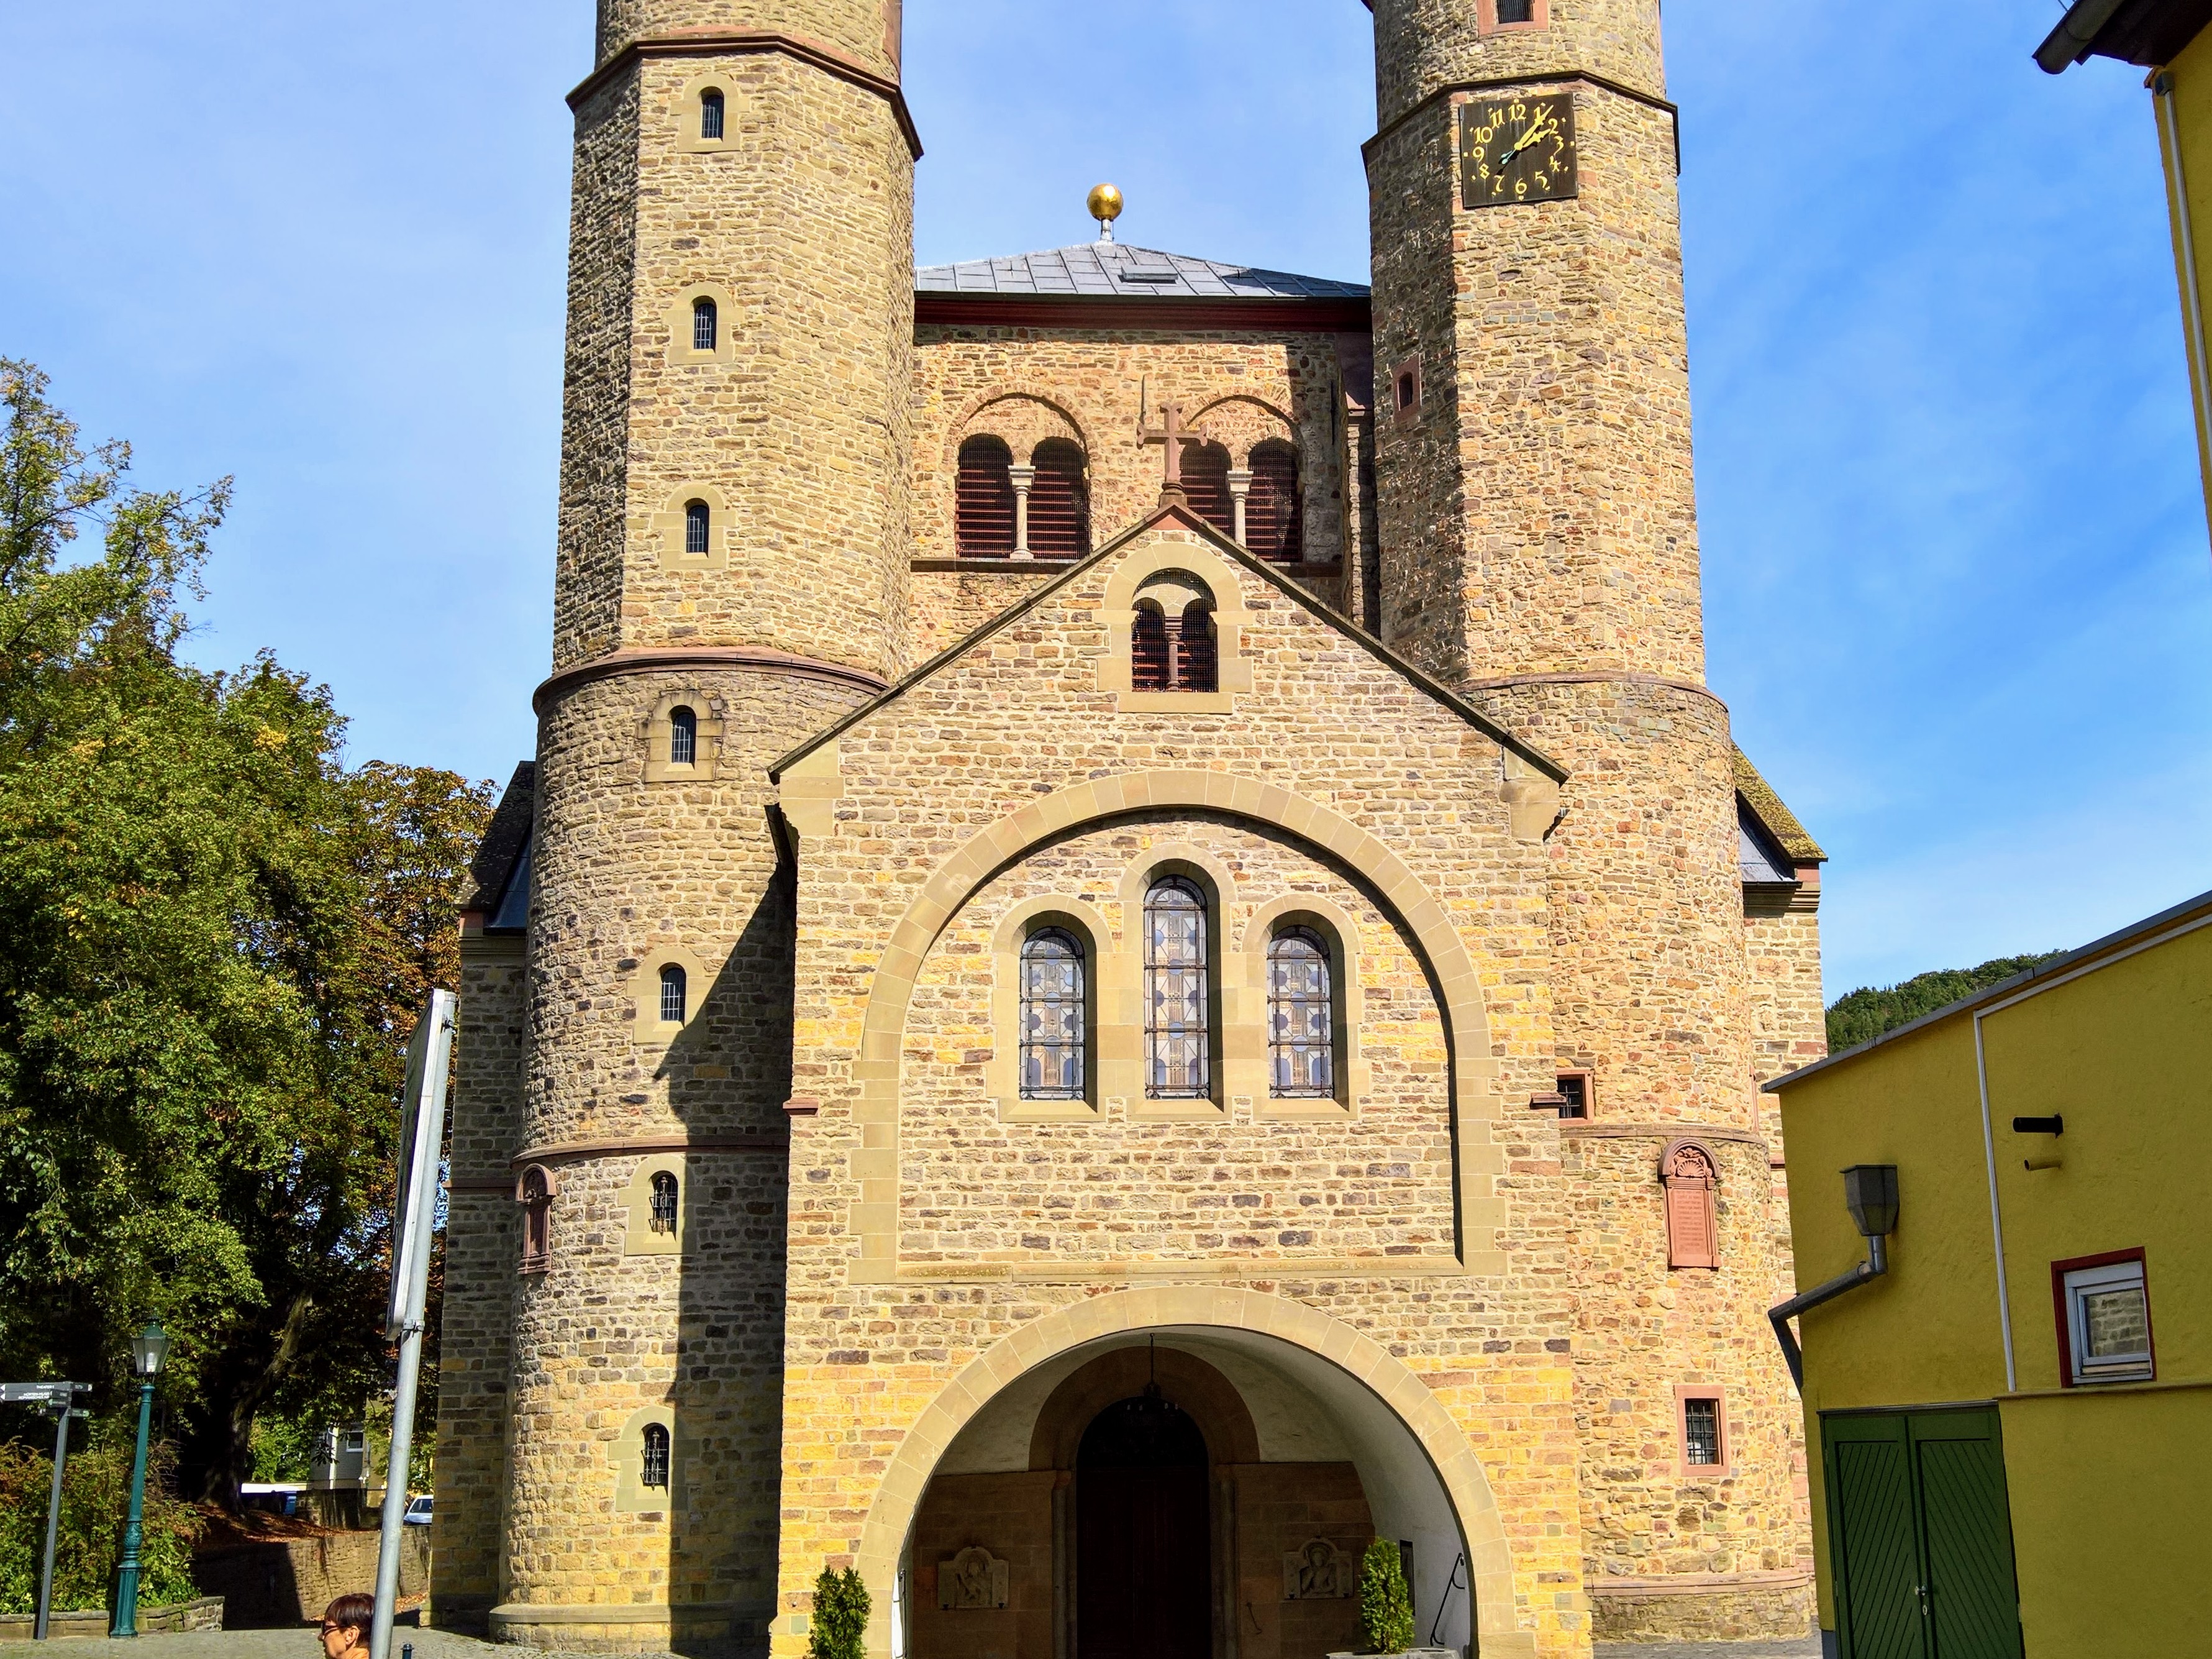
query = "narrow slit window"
{"x": 683, "y": 737}
{"x": 654, "y": 1471}
{"x": 1055, "y": 1037}
{"x": 697, "y": 521}
{"x": 536, "y": 1220}
{"x": 1409, "y": 390}
{"x": 1701, "y": 1433}
{"x": 711, "y": 106}
{"x": 706, "y": 325}
{"x": 674, "y": 989}
{"x": 663, "y": 1202}
{"x": 1178, "y": 1038}
{"x": 1301, "y": 1017}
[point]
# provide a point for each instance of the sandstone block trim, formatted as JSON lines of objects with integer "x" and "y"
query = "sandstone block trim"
{"x": 758, "y": 660}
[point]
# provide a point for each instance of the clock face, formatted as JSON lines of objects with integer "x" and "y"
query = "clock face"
{"x": 1518, "y": 149}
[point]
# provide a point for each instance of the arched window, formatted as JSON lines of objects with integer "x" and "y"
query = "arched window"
{"x": 1274, "y": 517}
{"x": 673, "y": 986}
{"x": 1151, "y": 659}
{"x": 654, "y": 1471}
{"x": 1206, "y": 481}
{"x": 664, "y": 1201}
{"x": 1197, "y": 656}
{"x": 983, "y": 507}
{"x": 537, "y": 1195}
{"x": 1692, "y": 1230}
{"x": 697, "y": 520}
{"x": 683, "y": 737}
{"x": 1060, "y": 502}
{"x": 1178, "y": 996}
{"x": 1301, "y": 1017}
{"x": 1054, "y": 1043}
{"x": 706, "y": 324}
{"x": 1177, "y": 653}
{"x": 711, "y": 112}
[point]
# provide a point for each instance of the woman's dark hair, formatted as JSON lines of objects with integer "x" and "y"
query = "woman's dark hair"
{"x": 355, "y": 1612}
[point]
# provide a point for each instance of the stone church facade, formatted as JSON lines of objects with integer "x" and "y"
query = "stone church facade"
{"x": 1135, "y": 954}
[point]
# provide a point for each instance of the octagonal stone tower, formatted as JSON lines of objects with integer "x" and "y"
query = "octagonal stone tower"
{"x": 1539, "y": 554}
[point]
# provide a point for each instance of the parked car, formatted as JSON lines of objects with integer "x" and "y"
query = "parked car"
{"x": 418, "y": 1511}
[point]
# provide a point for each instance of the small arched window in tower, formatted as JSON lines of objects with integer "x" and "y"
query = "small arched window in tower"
{"x": 683, "y": 737}
{"x": 1178, "y": 994}
{"x": 663, "y": 1202}
{"x": 1301, "y": 1017}
{"x": 1060, "y": 502}
{"x": 1054, "y": 1042}
{"x": 674, "y": 989}
{"x": 698, "y": 519}
{"x": 711, "y": 110}
{"x": 652, "y": 1471}
{"x": 1692, "y": 1228}
{"x": 1206, "y": 481}
{"x": 706, "y": 324}
{"x": 1273, "y": 517}
{"x": 983, "y": 507}
{"x": 537, "y": 1195}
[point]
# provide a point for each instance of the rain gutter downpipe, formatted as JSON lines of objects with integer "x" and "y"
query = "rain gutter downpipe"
{"x": 1875, "y": 1265}
{"x": 2200, "y": 371}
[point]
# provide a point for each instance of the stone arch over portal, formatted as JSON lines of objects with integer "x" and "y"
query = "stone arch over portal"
{"x": 1401, "y": 893}
{"x": 1359, "y": 1363}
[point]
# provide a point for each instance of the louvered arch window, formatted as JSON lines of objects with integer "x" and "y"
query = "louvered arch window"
{"x": 1273, "y": 517}
{"x": 1197, "y": 656}
{"x": 1206, "y": 481}
{"x": 698, "y": 520}
{"x": 1178, "y": 992}
{"x": 983, "y": 507}
{"x": 1693, "y": 1230}
{"x": 1060, "y": 502}
{"x": 1301, "y": 1017}
{"x": 1151, "y": 659}
{"x": 683, "y": 737}
{"x": 653, "y": 1471}
{"x": 711, "y": 113}
{"x": 1056, "y": 1036}
{"x": 706, "y": 324}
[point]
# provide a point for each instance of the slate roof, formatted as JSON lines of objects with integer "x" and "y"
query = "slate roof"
{"x": 506, "y": 842}
{"x": 1776, "y": 818}
{"x": 1117, "y": 270}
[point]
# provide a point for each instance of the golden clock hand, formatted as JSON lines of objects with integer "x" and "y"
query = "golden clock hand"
{"x": 1534, "y": 133}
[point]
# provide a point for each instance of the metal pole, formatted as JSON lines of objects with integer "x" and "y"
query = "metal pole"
{"x": 395, "y": 1492}
{"x": 53, "y": 1523}
{"x": 126, "y": 1587}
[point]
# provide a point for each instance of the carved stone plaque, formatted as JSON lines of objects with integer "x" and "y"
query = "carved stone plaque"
{"x": 974, "y": 1578}
{"x": 1317, "y": 1572}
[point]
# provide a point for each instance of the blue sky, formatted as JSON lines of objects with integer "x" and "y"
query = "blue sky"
{"x": 1958, "y": 588}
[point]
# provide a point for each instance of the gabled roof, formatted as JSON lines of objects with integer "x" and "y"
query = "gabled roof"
{"x": 506, "y": 839}
{"x": 1116, "y": 270}
{"x": 1230, "y": 550}
{"x": 1780, "y": 823}
{"x": 2144, "y": 32}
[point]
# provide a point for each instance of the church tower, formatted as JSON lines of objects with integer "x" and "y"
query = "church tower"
{"x": 1539, "y": 554}
{"x": 731, "y": 577}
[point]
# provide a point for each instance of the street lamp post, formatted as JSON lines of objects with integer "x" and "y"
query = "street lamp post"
{"x": 148, "y": 1350}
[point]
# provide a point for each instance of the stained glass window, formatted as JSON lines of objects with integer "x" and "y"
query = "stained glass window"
{"x": 654, "y": 1473}
{"x": 1178, "y": 1040}
{"x": 1053, "y": 1039}
{"x": 663, "y": 1202}
{"x": 1301, "y": 1017}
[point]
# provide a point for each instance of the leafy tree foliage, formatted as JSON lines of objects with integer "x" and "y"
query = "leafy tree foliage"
{"x": 215, "y": 939}
{"x": 88, "y": 1544}
{"x": 1865, "y": 1013}
{"x": 1386, "y": 1607}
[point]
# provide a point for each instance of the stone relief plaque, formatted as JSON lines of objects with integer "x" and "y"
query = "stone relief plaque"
{"x": 973, "y": 1579}
{"x": 1317, "y": 1572}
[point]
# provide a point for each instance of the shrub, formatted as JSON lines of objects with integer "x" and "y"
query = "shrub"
{"x": 1386, "y": 1611}
{"x": 841, "y": 1616}
{"x": 95, "y": 1501}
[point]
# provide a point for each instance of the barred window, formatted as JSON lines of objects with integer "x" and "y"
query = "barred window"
{"x": 683, "y": 737}
{"x": 1301, "y": 1017}
{"x": 1060, "y": 502}
{"x": 983, "y": 497}
{"x": 654, "y": 1472}
{"x": 674, "y": 987}
{"x": 663, "y": 1202}
{"x": 706, "y": 325}
{"x": 1177, "y": 995}
{"x": 711, "y": 108}
{"x": 1177, "y": 654}
{"x": 1197, "y": 658}
{"x": 1516, "y": 11}
{"x": 1055, "y": 1039}
{"x": 1701, "y": 1432}
{"x": 696, "y": 521}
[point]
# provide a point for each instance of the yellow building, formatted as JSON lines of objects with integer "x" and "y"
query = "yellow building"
{"x": 2169, "y": 38}
{"x": 2017, "y": 1389}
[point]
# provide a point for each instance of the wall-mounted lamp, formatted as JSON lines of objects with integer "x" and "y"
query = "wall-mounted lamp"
{"x": 1871, "y": 1194}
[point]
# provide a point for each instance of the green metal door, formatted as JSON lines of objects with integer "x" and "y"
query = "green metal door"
{"x": 1920, "y": 1535}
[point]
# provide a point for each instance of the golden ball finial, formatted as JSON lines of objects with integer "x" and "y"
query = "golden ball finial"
{"x": 1105, "y": 205}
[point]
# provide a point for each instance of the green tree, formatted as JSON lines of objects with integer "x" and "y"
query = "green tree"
{"x": 839, "y": 1629}
{"x": 1867, "y": 1013}
{"x": 214, "y": 941}
{"x": 1385, "y": 1610}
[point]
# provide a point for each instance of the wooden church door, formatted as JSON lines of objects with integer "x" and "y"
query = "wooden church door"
{"x": 1143, "y": 1537}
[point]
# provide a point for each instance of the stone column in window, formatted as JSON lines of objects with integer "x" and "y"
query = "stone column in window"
{"x": 1022, "y": 477}
{"x": 1240, "y": 486}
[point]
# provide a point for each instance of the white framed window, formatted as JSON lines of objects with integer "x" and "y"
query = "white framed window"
{"x": 2104, "y": 1311}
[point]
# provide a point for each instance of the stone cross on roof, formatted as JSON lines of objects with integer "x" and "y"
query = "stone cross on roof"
{"x": 1172, "y": 434}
